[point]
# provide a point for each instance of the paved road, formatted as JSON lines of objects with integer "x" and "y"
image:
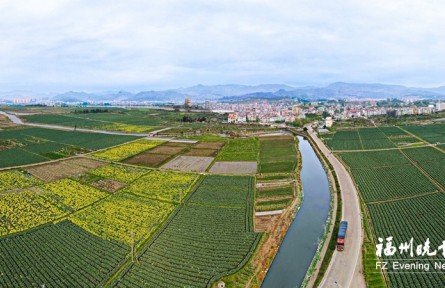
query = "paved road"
{"x": 345, "y": 267}
{"x": 265, "y": 213}
{"x": 13, "y": 118}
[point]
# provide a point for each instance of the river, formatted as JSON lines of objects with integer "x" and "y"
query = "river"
{"x": 300, "y": 243}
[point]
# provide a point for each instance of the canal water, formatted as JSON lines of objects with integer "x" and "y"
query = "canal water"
{"x": 301, "y": 241}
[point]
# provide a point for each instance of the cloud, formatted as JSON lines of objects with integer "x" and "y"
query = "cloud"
{"x": 135, "y": 44}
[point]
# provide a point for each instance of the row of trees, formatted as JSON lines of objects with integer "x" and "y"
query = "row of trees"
{"x": 85, "y": 111}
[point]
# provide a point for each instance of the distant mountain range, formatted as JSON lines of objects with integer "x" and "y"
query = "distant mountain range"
{"x": 233, "y": 92}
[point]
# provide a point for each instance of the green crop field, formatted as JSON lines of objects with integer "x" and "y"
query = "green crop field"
{"x": 61, "y": 255}
{"x": 405, "y": 141}
{"x": 371, "y": 144}
{"x": 393, "y": 131}
{"x": 373, "y": 159}
{"x": 126, "y": 120}
{"x": 338, "y": 145}
{"x": 404, "y": 193}
{"x": 95, "y": 241}
{"x": 240, "y": 149}
{"x": 271, "y": 205}
{"x": 348, "y": 135}
{"x": 277, "y": 154}
{"x": 200, "y": 244}
{"x": 432, "y": 133}
{"x": 223, "y": 190}
{"x": 420, "y": 218}
{"x": 385, "y": 183}
{"x": 22, "y": 146}
{"x": 425, "y": 154}
{"x": 371, "y": 134}
{"x": 275, "y": 191}
{"x": 363, "y": 139}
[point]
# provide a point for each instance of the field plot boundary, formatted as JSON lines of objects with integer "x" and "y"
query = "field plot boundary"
{"x": 234, "y": 167}
{"x": 188, "y": 163}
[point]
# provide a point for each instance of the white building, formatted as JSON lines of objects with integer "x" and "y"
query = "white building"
{"x": 328, "y": 122}
{"x": 440, "y": 106}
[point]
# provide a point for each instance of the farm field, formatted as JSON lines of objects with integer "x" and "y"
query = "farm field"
{"x": 24, "y": 210}
{"x": 222, "y": 240}
{"x": 112, "y": 207}
{"x": 125, "y": 151}
{"x": 406, "y": 141}
{"x": 120, "y": 215}
{"x": 403, "y": 190}
{"x": 425, "y": 154}
{"x": 234, "y": 167}
{"x": 37, "y": 205}
{"x": 366, "y": 139}
{"x": 10, "y": 180}
{"x": 125, "y": 174}
{"x": 420, "y": 218}
{"x": 192, "y": 157}
{"x": 276, "y": 191}
{"x": 374, "y": 159}
{"x": 223, "y": 190}
{"x": 68, "y": 256}
{"x": 166, "y": 186}
{"x": 431, "y": 161}
{"x": 148, "y": 159}
{"x": 64, "y": 168}
{"x": 277, "y": 154}
{"x": 22, "y": 146}
{"x": 393, "y": 131}
{"x": 239, "y": 149}
{"x": 386, "y": 183}
{"x": 189, "y": 163}
{"x": 125, "y": 120}
{"x": 271, "y": 205}
{"x": 434, "y": 133}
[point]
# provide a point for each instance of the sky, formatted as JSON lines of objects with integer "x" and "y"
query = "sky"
{"x": 133, "y": 45}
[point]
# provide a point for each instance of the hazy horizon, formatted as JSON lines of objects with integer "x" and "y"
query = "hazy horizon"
{"x": 134, "y": 45}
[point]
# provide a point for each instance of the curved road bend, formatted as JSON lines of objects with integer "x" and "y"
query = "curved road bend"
{"x": 345, "y": 269}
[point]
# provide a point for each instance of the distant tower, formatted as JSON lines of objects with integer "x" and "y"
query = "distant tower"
{"x": 188, "y": 102}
